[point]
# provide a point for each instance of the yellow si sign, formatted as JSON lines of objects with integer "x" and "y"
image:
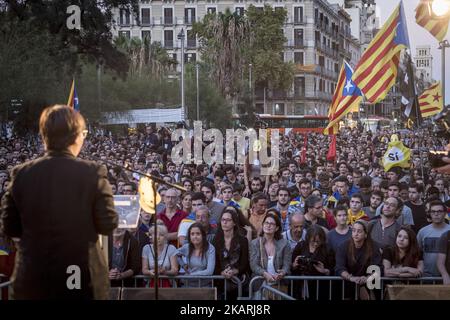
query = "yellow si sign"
{"x": 397, "y": 155}
{"x": 147, "y": 198}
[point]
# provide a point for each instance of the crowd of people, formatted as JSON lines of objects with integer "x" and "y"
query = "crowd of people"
{"x": 313, "y": 217}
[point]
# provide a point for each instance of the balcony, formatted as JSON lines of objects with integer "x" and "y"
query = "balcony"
{"x": 168, "y": 44}
{"x": 147, "y": 22}
{"x": 124, "y": 23}
{"x": 168, "y": 21}
{"x": 189, "y": 20}
{"x": 191, "y": 43}
{"x": 296, "y": 43}
{"x": 299, "y": 94}
{"x": 299, "y": 20}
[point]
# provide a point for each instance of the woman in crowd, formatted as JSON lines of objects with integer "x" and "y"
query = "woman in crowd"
{"x": 270, "y": 253}
{"x": 245, "y": 227}
{"x": 354, "y": 257}
{"x": 188, "y": 184}
{"x": 186, "y": 202}
{"x": 198, "y": 256}
{"x": 312, "y": 257}
{"x": 167, "y": 259}
{"x": 405, "y": 259}
{"x": 231, "y": 252}
{"x": 123, "y": 258}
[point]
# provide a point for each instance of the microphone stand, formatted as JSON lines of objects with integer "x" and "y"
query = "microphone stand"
{"x": 153, "y": 179}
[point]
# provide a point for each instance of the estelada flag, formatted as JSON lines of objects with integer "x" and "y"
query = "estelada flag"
{"x": 73, "y": 97}
{"x": 346, "y": 98}
{"x": 431, "y": 102}
{"x": 376, "y": 71}
{"x": 436, "y": 26}
{"x": 397, "y": 155}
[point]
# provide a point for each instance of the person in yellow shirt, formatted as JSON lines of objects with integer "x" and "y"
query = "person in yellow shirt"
{"x": 243, "y": 202}
{"x": 355, "y": 212}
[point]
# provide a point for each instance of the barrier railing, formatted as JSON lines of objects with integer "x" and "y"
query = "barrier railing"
{"x": 201, "y": 281}
{"x": 276, "y": 293}
{"x": 336, "y": 286}
{"x": 5, "y": 283}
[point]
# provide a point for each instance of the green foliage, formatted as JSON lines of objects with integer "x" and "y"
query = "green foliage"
{"x": 229, "y": 43}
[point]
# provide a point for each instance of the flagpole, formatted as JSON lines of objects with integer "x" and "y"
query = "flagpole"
{"x": 416, "y": 110}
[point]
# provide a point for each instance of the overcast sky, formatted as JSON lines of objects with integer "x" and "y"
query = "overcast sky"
{"x": 419, "y": 36}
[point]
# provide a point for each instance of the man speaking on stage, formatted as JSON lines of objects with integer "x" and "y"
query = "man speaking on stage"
{"x": 54, "y": 208}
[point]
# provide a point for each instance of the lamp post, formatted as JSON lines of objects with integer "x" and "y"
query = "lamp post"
{"x": 181, "y": 37}
{"x": 198, "y": 91}
{"x": 440, "y": 9}
{"x": 442, "y": 45}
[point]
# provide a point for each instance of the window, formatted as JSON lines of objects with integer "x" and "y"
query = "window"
{"x": 168, "y": 38}
{"x": 298, "y": 37}
{"x": 125, "y": 34}
{"x": 259, "y": 108}
{"x": 190, "y": 57}
{"x": 298, "y": 14}
{"x": 321, "y": 61}
{"x": 146, "y": 34}
{"x": 125, "y": 17}
{"x": 211, "y": 10}
{"x": 168, "y": 16}
{"x": 145, "y": 16}
{"x": 278, "y": 108}
{"x": 239, "y": 10}
{"x": 299, "y": 109}
{"x": 189, "y": 15}
{"x": 299, "y": 58}
{"x": 299, "y": 87}
{"x": 191, "y": 42}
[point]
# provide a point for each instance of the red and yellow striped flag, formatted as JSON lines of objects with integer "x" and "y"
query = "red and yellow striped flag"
{"x": 431, "y": 101}
{"x": 436, "y": 26}
{"x": 376, "y": 72}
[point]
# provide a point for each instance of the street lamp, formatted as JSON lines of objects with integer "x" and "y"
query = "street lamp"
{"x": 439, "y": 9}
{"x": 198, "y": 92}
{"x": 442, "y": 45}
{"x": 181, "y": 37}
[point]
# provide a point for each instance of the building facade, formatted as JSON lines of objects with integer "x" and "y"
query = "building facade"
{"x": 424, "y": 63}
{"x": 318, "y": 39}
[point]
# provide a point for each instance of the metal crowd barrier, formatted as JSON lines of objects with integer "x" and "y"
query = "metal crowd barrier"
{"x": 198, "y": 280}
{"x": 334, "y": 283}
{"x": 275, "y": 293}
{"x": 4, "y": 286}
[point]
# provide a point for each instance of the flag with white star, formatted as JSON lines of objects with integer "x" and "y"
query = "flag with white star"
{"x": 73, "y": 97}
{"x": 431, "y": 102}
{"x": 346, "y": 98}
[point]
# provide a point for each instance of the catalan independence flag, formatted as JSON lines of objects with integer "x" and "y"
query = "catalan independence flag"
{"x": 431, "y": 102}
{"x": 436, "y": 26}
{"x": 73, "y": 97}
{"x": 346, "y": 98}
{"x": 376, "y": 72}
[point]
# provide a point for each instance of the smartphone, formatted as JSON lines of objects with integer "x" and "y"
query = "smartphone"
{"x": 435, "y": 158}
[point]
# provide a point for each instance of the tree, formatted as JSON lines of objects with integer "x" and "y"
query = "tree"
{"x": 94, "y": 38}
{"x": 231, "y": 42}
{"x": 223, "y": 39}
{"x": 211, "y": 101}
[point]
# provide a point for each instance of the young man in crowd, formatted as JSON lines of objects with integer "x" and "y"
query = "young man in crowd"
{"x": 428, "y": 237}
{"x": 342, "y": 232}
{"x": 376, "y": 197}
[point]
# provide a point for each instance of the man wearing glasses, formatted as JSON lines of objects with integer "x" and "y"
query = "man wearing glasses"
{"x": 55, "y": 208}
{"x": 428, "y": 237}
